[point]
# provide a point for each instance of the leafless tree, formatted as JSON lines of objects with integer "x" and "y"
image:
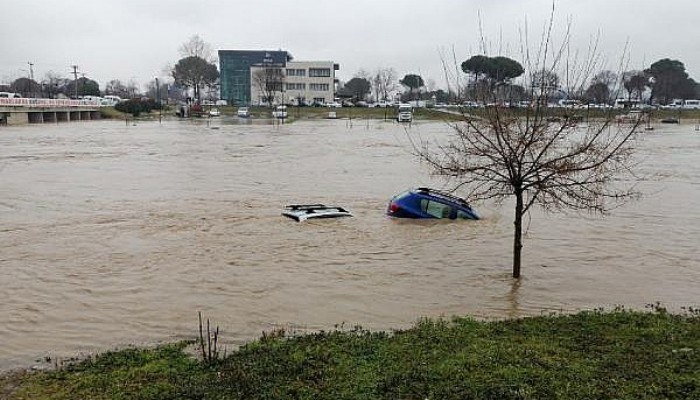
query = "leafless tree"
{"x": 376, "y": 86}
{"x": 385, "y": 80}
{"x": 132, "y": 88}
{"x": 53, "y": 83}
{"x": 116, "y": 87}
{"x": 545, "y": 81}
{"x": 195, "y": 46}
{"x": 558, "y": 164}
{"x": 269, "y": 80}
{"x": 610, "y": 79}
{"x": 635, "y": 82}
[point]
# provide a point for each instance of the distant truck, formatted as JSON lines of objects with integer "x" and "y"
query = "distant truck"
{"x": 404, "y": 113}
{"x": 691, "y": 104}
{"x": 110, "y": 100}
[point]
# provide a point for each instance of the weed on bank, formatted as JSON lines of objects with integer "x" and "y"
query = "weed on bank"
{"x": 590, "y": 355}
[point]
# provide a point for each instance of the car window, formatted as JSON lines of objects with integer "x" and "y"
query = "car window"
{"x": 462, "y": 215}
{"x": 435, "y": 209}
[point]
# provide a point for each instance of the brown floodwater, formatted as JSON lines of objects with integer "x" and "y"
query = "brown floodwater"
{"x": 112, "y": 234}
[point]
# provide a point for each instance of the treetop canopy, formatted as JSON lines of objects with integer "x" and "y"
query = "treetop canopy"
{"x": 498, "y": 69}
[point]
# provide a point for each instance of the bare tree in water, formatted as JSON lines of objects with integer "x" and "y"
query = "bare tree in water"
{"x": 539, "y": 154}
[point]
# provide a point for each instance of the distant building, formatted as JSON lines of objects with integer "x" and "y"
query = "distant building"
{"x": 296, "y": 82}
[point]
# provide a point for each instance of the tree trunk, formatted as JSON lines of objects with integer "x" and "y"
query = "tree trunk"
{"x": 518, "y": 235}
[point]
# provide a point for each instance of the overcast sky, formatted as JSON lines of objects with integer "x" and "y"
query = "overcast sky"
{"x": 138, "y": 39}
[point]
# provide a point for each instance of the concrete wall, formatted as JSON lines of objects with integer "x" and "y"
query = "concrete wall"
{"x": 38, "y": 115}
{"x": 19, "y": 118}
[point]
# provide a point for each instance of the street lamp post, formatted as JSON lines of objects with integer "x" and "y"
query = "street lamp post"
{"x": 160, "y": 107}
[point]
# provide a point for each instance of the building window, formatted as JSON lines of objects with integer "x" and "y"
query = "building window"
{"x": 319, "y": 72}
{"x": 296, "y": 72}
{"x": 319, "y": 87}
{"x": 296, "y": 86}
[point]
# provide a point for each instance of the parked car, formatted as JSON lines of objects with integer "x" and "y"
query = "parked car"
{"x": 429, "y": 203}
{"x": 243, "y": 112}
{"x": 280, "y": 112}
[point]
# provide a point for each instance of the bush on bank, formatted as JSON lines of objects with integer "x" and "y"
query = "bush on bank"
{"x": 590, "y": 355}
{"x": 137, "y": 106}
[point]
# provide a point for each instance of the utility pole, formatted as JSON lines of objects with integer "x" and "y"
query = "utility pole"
{"x": 75, "y": 80}
{"x": 30, "y": 90}
{"x": 160, "y": 107}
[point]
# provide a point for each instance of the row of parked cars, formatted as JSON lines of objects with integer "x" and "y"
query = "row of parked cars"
{"x": 10, "y": 95}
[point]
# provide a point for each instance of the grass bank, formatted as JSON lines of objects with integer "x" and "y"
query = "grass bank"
{"x": 590, "y": 355}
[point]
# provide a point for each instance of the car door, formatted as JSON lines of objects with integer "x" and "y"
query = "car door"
{"x": 436, "y": 209}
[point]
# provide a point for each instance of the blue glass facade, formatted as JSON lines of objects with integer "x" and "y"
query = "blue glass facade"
{"x": 234, "y": 68}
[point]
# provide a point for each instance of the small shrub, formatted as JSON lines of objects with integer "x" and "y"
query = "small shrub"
{"x": 136, "y": 106}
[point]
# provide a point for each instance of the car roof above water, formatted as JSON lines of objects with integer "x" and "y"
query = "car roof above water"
{"x": 442, "y": 195}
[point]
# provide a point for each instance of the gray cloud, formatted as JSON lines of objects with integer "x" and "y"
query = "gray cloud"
{"x": 130, "y": 39}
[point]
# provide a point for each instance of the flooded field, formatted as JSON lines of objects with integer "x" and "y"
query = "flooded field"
{"x": 113, "y": 234}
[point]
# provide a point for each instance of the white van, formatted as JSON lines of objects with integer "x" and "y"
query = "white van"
{"x": 405, "y": 113}
{"x": 691, "y": 105}
{"x": 10, "y": 95}
{"x": 626, "y": 103}
{"x": 110, "y": 100}
{"x": 92, "y": 98}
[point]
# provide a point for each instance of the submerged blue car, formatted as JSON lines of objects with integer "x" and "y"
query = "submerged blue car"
{"x": 429, "y": 203}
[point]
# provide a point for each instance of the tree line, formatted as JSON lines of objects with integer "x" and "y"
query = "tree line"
{"x": 662, "y": 82}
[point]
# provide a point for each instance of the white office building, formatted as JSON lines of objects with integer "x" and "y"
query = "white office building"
{"x": 295, "y": 83}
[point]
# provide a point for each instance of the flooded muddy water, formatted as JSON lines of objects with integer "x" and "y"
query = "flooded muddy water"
{"x": 113, "y": 234}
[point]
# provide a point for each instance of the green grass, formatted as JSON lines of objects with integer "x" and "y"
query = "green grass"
{"x": 590, "y": 355}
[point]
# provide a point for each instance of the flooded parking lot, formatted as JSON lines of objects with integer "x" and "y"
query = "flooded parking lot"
{"x": 113, "y": 234}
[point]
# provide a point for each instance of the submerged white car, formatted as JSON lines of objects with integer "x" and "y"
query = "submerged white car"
{"x": 302, "y": 212}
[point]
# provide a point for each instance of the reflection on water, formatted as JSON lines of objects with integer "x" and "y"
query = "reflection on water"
{"x": 113, "y": 234}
